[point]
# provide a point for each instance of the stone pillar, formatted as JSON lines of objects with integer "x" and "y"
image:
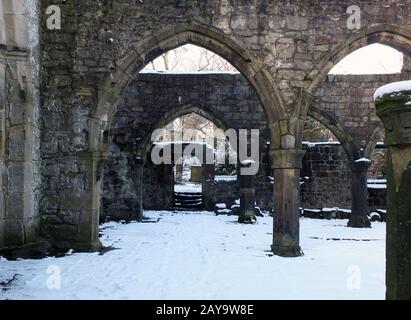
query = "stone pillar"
{"x": 138, "y": 177}
{"x": 286, "y": 236}
{"x": 208, "y": 178}
{"x": 208, "y": 187}
{"x": 179, "y": 173}
{"x": 247, "y": 197}
{"x": 395, "y": 112}
{"x": 19, "y": 156}
{"x": 359, "y": 194}
{"x": 85, "y": 237}
{"x": 406, "y": 67}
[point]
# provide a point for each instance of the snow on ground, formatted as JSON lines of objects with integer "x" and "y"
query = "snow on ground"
{"x": 203, "y": 256}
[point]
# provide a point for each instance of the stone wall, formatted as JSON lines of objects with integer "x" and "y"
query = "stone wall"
{"x": 226, "y": 191}
{"x": 154, "y": 100}
{"x": 377, "y": 199}
{"x": 158, "y": 184}
{"x": 349, "y": 99}
{"x": 147, "y": 104}
{"x": 20, "y": 179}
{"x": 283, "y": 48}
{"x": 326, "y": 179}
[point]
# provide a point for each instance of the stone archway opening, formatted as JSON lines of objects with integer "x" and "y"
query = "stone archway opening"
{"x": 159, "y": 98}
{"x": 343, "y": 101}
{"x": 190, "y": 175}
{"x": 112, "y": 88}
{"x": 371, "y": 59}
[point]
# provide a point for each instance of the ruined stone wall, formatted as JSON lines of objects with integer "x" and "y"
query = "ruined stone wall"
{"x": 228, "y": 97}
{"x": 281, "y": 47}
{"x": 349, "y": 99}
{"x": 158, "y": 184}
{"x": 227, "y": 192}
{"x": 152, "y": 101}
{"x": 20, "y": 179}
{"x": 377, "y": 199}
{"x": 326, "y": 177}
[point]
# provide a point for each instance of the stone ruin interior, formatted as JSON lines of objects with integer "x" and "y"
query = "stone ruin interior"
{"x": 77, "y": 116}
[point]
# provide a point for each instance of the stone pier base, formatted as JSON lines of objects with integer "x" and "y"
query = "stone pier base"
{"x": 359, "y": 195}
{"x": 395, "y": 112}
{"x": 286, "y": 233}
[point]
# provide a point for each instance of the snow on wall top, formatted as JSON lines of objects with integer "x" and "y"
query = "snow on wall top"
{"x": 165, "y": 144}
{"x": 363, "y": 160}
{"x": 313, "y": 144}
{"x": 391, "y": 88}
{"x": 247, "y": 162}
{"x": 188, "y": 72}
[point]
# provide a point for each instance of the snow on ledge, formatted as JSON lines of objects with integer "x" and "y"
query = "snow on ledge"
{"x": 225, "y": 178}
{"x": 391, "y": 88}
{"x": 166, "y": 144}
{"x": 188, "y": 72}
{"x": 376, "y": 186}
{"x": 363, "y": 160}
{"x": 377, "y": 181}
{"x": 313, "y": 144}
{"x": 247, "y": 162}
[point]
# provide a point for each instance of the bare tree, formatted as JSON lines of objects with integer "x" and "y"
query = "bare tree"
{"x": 314, "y": 131}
{"x": 190, "y": 58}
{"x": 210, "y": 61}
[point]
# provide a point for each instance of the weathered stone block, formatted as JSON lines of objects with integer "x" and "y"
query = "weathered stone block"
{"x": 297, "y": 23}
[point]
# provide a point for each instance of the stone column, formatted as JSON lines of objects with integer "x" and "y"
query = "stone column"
{"x": 208, "y": 186}
{"x": 138, "y": 177}
{"x": 87, "y": 202}
{"x": 395, "y": 112}
{"x": 179, "y": 173}
{"x": 359, "y": 194}
{"x": 406, "y": 68}
{"x": 208, "y": 178}
{"x": 247, "y": 197}
{"x": 286, "y": 236}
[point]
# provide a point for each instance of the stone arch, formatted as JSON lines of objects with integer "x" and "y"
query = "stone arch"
{"x": 179, "y": 111}
{"x": 337, "y": 129}
{"x": 394, "y": 36}
{"x": 151, "y": 48}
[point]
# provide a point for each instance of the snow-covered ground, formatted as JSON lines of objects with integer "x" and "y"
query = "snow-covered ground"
{"x": 203, "y": 256}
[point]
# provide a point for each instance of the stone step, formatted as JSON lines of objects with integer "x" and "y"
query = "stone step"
{"x": 190, "y": 201}
{"x": 188, "y": 194}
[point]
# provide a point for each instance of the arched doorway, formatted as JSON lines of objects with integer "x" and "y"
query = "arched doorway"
{"x": 209, "y": 95}
{"x": 399, "y": 39}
